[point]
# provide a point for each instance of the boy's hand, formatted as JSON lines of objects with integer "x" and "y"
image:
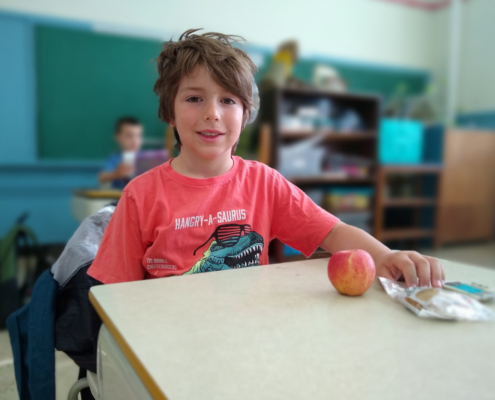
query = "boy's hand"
{"x": 413, "y": 266}
{"x": 123, "y": 171}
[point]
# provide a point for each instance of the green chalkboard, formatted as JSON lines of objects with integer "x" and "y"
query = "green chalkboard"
{"x": 86, "y": 81}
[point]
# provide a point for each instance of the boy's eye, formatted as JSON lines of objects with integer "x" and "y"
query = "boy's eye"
{"x": 194, "y": 99}
{"x": 228, "y": 101}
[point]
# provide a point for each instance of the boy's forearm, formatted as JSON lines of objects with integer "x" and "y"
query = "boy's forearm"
{"x": 346, "y": 237}
{"x": 105, "y": 177}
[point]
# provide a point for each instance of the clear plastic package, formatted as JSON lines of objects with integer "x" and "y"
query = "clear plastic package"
{"x": 430, "y": 302}
{"x": 475, "y": 290}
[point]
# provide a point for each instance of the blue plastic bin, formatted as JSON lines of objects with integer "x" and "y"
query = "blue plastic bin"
{"x": 289, "y": 251}
{"x": 400, "y": 142}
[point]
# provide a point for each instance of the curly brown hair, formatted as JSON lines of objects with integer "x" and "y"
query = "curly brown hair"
{"x": 229, "y": 66}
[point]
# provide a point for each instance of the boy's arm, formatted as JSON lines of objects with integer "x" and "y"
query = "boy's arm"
{"x": 389, "y": 264}
{"x": 105, "y": 177}
{"x": 122, "y": 171}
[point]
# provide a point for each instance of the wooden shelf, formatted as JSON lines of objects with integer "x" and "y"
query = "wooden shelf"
{"x": 414, "y": 233}
{"x": 409, "y": 202}
{"x": 418, "y": 168}
{"x": 322, "y": 179}
{"x": 330, "y": 135}
{"x": 387, "y": 208}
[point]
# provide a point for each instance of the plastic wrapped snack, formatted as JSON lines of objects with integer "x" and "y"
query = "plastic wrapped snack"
{"x": 429, "y": 302}
{"x": 475, "y": 290}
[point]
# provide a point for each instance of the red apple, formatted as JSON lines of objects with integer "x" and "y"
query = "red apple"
{"x": 351, "y": 271}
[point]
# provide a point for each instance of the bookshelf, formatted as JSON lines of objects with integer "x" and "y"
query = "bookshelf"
{"x": 279, "y": 116}
{"x": 418, "y": 195}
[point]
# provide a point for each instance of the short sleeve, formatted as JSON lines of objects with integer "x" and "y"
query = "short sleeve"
{"x": 296, "y": 219}
{"x": 119, "y": 258}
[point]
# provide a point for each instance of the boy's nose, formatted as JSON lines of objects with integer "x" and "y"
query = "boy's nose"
{"x": 211, "y": 112}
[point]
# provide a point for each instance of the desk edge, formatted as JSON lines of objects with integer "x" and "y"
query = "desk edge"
{"x": 149, "y": 383}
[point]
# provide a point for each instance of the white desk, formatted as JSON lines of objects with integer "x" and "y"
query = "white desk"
{"x": 283, "y": 332}
{"x": 88, "y": 202}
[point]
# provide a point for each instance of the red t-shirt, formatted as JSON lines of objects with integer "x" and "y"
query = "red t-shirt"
{"x": 169, "y": 224}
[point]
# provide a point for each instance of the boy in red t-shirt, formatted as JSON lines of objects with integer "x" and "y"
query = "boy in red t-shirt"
{"x": 208, "y": 210}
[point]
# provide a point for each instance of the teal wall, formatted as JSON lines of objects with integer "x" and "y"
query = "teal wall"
{"x": 44, "y": 191}
{"x": 17, "y": 94}
{"x": 26, "y": 183}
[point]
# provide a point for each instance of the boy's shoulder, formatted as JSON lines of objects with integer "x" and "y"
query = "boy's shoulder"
{"x": 256, "y": 167}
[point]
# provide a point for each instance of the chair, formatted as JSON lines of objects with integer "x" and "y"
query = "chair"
{"x": 90, "y": 381}
{"x": 32, "y": 328}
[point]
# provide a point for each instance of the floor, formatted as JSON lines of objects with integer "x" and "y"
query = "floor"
{"x": 66, "y": 371}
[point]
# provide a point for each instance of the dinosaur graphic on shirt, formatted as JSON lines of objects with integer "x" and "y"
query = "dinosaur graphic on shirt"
{"x": 243, "y": 250}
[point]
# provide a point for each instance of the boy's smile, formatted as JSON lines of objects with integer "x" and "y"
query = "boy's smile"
{"x": 208, "y": 118}
{"x": 210, "y": 135}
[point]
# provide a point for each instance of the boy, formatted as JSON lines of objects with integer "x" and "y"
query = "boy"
{"x": 208, "y": 210}
{"x": 129, "y": 136}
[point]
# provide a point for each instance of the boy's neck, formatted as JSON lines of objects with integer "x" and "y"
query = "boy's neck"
{"x": 194, "y": 167}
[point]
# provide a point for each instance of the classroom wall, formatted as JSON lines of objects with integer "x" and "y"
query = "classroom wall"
{"x": 475, "y": 104}
{"x": 44, "y": 188}
{"x": 477, "y": 70}
{"x": 27, "y": 184}
{"x": 44, "y": 191}
{"x": 365, "y": 30}
{"x": 439, "y": 58}
{"x": 17, "y": 96}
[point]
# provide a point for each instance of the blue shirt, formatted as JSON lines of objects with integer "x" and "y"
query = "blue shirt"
{"x": 111, "y": 164}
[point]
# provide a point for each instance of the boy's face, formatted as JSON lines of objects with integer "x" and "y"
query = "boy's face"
{"x": 130, "y": 137}
{"x": 207, "y": 116}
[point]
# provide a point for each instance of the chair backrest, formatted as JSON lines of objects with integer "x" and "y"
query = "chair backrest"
{"x": 32, "y": 328}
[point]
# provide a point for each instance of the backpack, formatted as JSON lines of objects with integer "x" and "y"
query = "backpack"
{"x": 19, "y": 240}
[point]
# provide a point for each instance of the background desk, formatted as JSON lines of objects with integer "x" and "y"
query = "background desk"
{"x": 88, "y": 202}
{"x": 283, "y": 332}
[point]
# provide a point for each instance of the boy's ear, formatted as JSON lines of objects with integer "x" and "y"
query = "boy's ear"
{"x": 171, "y": 123}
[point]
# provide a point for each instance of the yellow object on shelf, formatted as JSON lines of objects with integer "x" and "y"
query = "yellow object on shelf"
{"x": 342, "y": 201}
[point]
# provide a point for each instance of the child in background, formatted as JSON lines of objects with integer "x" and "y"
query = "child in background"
{"x": 119, "y": 167}
{"x": 208, "y": 210}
